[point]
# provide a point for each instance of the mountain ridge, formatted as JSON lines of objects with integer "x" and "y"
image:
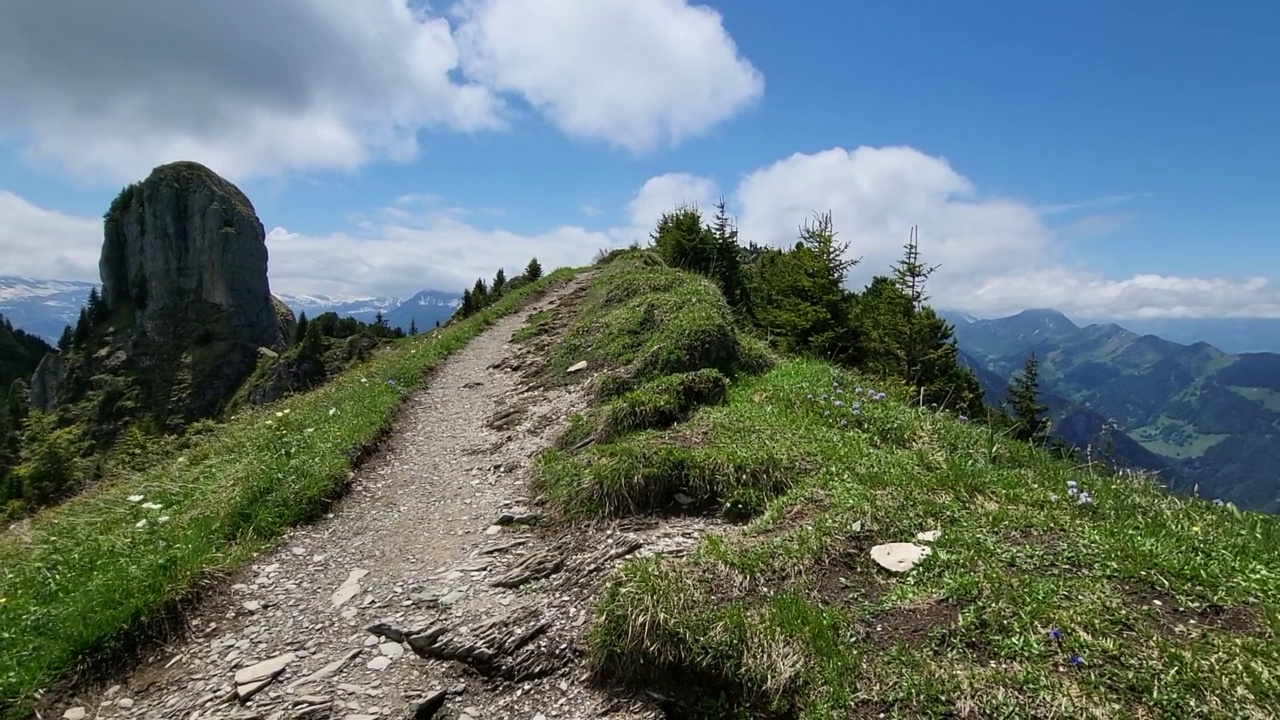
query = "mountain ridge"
{"x": 1212, "y": 417}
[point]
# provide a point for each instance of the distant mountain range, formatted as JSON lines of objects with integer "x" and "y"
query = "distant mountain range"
{"x": 44, "y": 307}
{"x": 1197, "y": 414}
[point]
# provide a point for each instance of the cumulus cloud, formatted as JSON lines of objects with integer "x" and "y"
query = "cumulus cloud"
{"x": 43, "y": 243}
{"x": 629, "y": 72}
{"x": 106, "y": 91}
{"x": 664, "y": 193}
{"x": 432, "y": 250}
{"x": 995, "y": 255}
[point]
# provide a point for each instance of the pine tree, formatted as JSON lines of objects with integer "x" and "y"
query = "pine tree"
{"x": 300, "y": 331}
{"x": 728, "y": 254}
{"x": 98, "y": 311}
{"x": 533, "y": 270}
{"x": 81, "y": 334}
{"x": 910, "y": 276}
{"x": 64, "y": 342}
{"x": 499, "y": 282}
{"x": 1028, "y": 413}
{"x": 480, "y": 295}
{"x": 413, "y": 327}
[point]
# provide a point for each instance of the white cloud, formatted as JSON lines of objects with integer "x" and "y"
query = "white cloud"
{"x": 630, "y": 72}
{"x": 430, "y": 251}
{"x": 106, "y": 91}
{"x": 996, "y": 255}
{"x": 42, "y": 243}
{"x": 664, "y": 193}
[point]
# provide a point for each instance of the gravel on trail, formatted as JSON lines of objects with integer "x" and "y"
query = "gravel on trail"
{"x": 428, "y": 591}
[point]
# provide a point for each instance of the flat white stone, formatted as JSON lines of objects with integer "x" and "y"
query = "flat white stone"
{"x": 899, "y": 557}
{"x": 929, "y": 535}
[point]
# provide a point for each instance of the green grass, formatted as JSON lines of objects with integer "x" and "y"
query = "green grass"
{"x": 1172, "y": 606}
{"x": 87, "y": 574}
{"x": 646, "y": 320}
{"x": 537, "y": 324}
{"x": 1269, "y": 399}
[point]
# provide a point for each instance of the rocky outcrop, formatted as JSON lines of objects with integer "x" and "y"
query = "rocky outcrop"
{"x": 185, "y": 237}
{"x": 185, "y": 309}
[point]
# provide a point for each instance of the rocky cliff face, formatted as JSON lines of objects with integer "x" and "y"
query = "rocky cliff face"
{"x": 185, "y": 307}
{"x": 183, "y": 237}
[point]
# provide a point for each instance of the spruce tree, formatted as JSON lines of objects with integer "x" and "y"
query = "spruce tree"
{"x": 64, "y": 342}
{"x": 728, "y": 257}
{"x": 83, "y": 328}
{"x": 413, "y": 327}
{"x": 533, "y": 270}
{"x": 910, "y": 275}
{"x": 499, "y": 282}
{"x": 1028, "y": 413}
{"x": 300, "y": 331}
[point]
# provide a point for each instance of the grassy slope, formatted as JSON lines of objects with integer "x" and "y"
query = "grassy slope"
{"x": 86, "y": 574}
{"x": 1140, "y": 604}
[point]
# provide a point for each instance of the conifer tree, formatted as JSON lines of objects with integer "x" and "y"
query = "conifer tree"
{"x": 413, "y": 327}
{"x": 728, "y": 257}
{"x": 480, "y": 295}
{"x": 300, "y": 331}
{"x": 533, "y": 270}
{"x": 1030, "y": 423}
{"x": 81, "y": 334}
{"x": 499, "y": 282}
{"x": 64, "y": 342}
{"x": 98, "y": 311}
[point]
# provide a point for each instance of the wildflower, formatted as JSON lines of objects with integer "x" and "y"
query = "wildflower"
{"x": 1053, "y": 497}
{"x": 1055, "y": 634}
{"x": 826, "y": 413}
{"x": 963, "y": 417}
{"x": 134, "y": 498}
{"x": 844, "y": 423}
{"x": 162, "y": 519}
{"x": 141, "y": 524}
{"x": 1072, "y": 492}
{"x": 1076, "y": 660}
{"x": 810, "y": 396}
{"x": 856, "y": 411}
{"x": 838, "y": 403}
{"x": 152, "y": 506}
{"x": 332, "y": 410}
{"x": 1084, "y": 499}
{"x": 391, "y": 382}
{"x": 1071, "y": 484}
{"x": 857, "y": 390}
{"x": 279, "y": 414}
{"x": 1218, "y": 502}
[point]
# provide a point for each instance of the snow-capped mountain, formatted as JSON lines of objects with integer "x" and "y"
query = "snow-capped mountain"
{"x": 45, "y": 307}
{"x": 424, "y": 309}
{"x": 362, "y": 308}
{"x": 42, "y": 307}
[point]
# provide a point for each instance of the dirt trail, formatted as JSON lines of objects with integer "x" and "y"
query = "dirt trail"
{"x": 426, "y": 579}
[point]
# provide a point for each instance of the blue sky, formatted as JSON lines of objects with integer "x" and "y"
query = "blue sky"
{"x": 1110, "y": 159}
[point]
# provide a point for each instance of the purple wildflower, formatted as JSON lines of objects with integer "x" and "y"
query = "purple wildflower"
{"x": 1055, "y": 634}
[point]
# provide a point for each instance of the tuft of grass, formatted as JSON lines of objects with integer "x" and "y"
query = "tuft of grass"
{"x": 83, "y": 577}
{"x": 1136, "y": 603}
{"x": 537, "y": 325}
{"x": 648, "y": 320}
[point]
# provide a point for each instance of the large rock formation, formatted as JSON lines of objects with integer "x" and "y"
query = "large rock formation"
{"x": 185, "y": 307}
{"x": 186, "y": 237}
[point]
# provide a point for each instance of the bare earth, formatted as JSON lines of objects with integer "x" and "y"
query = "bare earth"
{"x": 417, "y": 545}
